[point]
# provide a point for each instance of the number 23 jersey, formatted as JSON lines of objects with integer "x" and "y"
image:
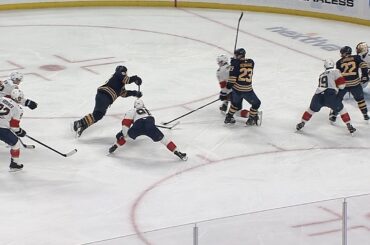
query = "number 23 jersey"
{"x": 241, "y": 73}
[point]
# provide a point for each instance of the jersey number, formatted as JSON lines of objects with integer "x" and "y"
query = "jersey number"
{"x": 143, "y": 111}
{"x": 4, "y": 110}
{"x": 245, "y": 74}
{"x": 323, "y": 82}
{"x": 349, "y": 69}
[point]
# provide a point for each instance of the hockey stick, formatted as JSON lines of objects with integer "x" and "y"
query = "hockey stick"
{"x": 171, "y": 127}
{"x": 165, "y": 123}
{"x": 62, "y": 154}
{"x": 237, "y": 30}
{"x": 25, "y": 145}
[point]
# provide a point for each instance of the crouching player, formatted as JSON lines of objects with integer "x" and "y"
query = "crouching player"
{"x": 138, "y": 121}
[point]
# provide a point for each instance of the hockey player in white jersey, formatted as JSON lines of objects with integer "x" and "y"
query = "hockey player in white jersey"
{"x": 330, "y": 81}
{"x": 362, "y": 50}
{"x": 138, "y": 121}
{"x": 10, "y": 116}
{"x": 7, "y": 86}
{"x": 225, "y": 93}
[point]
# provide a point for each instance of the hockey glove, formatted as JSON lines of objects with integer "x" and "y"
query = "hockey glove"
{"x": 31, "y": 104}
{"x": 229, "y": 85}
{"x": 119, "y": 135}
{"x": 20, "y": 133}
{"x": 135, "y": 79}
{"x": 364, "y": 81}
{"x": 139, "y": 94}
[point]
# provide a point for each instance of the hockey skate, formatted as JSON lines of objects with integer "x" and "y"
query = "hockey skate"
{"x": 113, "y": 148}
{"x": 78, "y": 127}
{"x": 366, "y": 117}
{"x": 223, "y": 108}
{"x": 15, "y": 166}
{"x": 300, "y": 126}
{"x": 181, "y": 155}
{"x": 332, "y": 117}
{"x": 229, "y": 119}
{"x": 252, "y": 120}
{"x": 350, "y": 128}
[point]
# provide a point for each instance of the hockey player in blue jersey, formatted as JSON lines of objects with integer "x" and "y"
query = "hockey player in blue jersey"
{"x": 106, "y": 95}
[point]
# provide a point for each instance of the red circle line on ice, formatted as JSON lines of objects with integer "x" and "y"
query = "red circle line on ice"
{"x": 157, "y": 184}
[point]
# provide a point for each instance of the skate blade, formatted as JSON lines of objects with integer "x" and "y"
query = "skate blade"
{"x": 12, "y": 170}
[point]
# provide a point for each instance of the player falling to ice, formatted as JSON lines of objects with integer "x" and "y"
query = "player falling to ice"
{"x": 7, "y": 86}
{"x": 330, "y": 81}
{"x": 363, "y": 51}
{"x": 106, "y": 95}
{"x": 138, "y": 121}
{"x": 349, "y": 65}
{"x": 10, "y": 116}
{"x": 225, "y": 93}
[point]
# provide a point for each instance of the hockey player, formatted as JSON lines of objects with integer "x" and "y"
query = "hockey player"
{"x": 7, "y": 86}
{"x": 349, "y": 66}
{"x": 225, "y": 93}
{"x": 363, "y": 51}
{"x": 240, "y": 81}
{"x": 222, "y": 76}
{"x": 326, "y": 95}
{"x": 106, "y": 95}
{"x": 138, "y": 121}
{"x": 10, "y": 116}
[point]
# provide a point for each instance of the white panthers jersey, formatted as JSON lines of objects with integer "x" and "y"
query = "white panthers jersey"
{"x": 136, "y": 114}
{"x": 366, "y": 58}
{"x": 10, "y": 113}
{"x": 6, "y": 87}
{"x": 332, "y": 79}
{"x": 222, "y": 76}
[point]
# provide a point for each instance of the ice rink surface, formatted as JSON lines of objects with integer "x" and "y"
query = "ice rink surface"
{"x": 66, "y": 54}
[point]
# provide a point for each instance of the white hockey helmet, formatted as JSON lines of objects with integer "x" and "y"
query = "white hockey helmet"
{"x": 362, "y": 48}
{"x": 16, "y": 77}
{"x": 328, "y": 64}
{"x": 222, "y": 59}
{"x": 17, "y": 95}
{"x": 139, "y": 104}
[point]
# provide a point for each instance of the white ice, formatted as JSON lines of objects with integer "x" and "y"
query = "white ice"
{"x": 231, "y": 170}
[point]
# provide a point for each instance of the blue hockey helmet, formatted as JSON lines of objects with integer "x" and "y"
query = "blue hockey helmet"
{"x": 346, "y": 50}
{"x": 121, "y": 69}
{"x": 239, "y": 53}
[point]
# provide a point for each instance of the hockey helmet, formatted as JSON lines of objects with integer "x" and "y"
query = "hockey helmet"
{"x": 362, "y": 48}
{"x": 139, "y": 104}
{"x": 16, "y": 77}
{"x": 239, "y": 53}
{"x": 121, "y": 69}
{"x": 222, "y": 59}
{"x": 328, "y": 64}
{"x": 17, "y": 95}
{"x": 346, "y": 50}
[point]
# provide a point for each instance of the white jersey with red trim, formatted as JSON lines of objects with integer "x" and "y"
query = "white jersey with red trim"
{"x": 6, "y": 87}
{"x": 132, "y": 116}
{"x": 331, "y": 78}
{"x": 222, "y": 76}
{"x": 10, "y": 114}
{"x": 366, "y": 58}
